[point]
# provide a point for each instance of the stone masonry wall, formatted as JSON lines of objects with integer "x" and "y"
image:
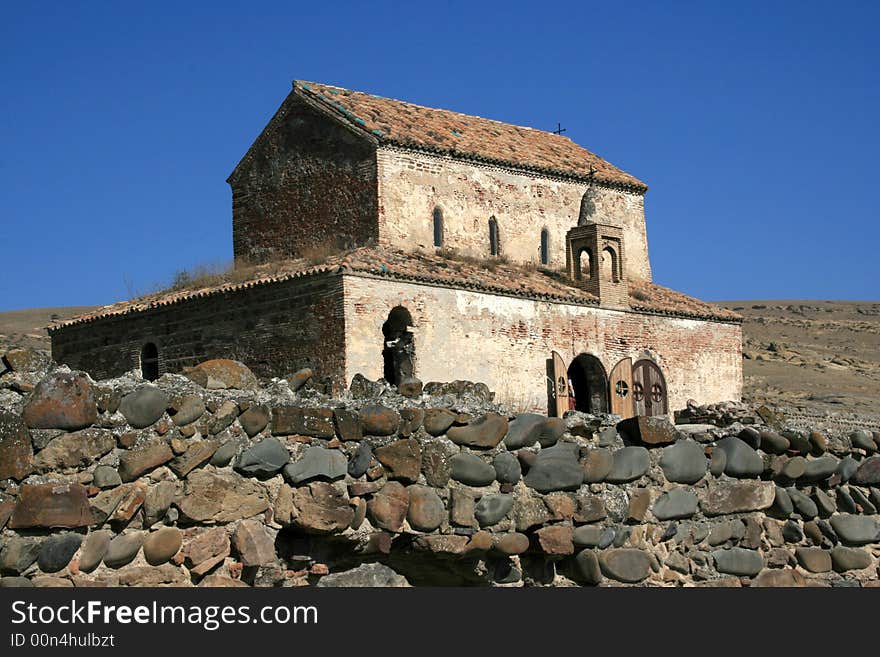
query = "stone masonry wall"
{"x": 308, "y": 184}
{"x": 505, "y": 341}
{"x": 125, "y": 483}
{"x": 275, "y": 329}
{"x": 411, "y": 185}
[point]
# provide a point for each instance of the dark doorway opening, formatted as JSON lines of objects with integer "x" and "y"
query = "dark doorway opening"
{"x": 398, "y": 351}
{"x": 150, "y": 362}
{"x": 589, "y": 384}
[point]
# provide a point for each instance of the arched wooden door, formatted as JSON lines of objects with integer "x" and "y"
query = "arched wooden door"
{"x": 557, "y": 384}
{"x": 649, "y": 389}
{"x": 621, "y": 382}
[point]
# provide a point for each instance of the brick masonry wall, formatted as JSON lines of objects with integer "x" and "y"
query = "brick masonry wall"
{"x": 411, "y": 185}
{"x": 307, "y": 183}
{"x": 275, "y": 329}
{"x": 505, "y": 341}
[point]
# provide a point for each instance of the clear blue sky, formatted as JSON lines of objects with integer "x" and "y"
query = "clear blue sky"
{"x": 753, "y": 123}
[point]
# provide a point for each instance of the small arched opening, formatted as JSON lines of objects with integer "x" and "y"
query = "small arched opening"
{"x": 493, "y": 237}
{"x": 588, "y": 383}
{"x": 150, "y": 362}
{"x": 609, "y": 265}
{"x": 398, "y": 350}
{"x": 545, "y": 246}
{"x": 584, "y": 265}
{"x": 438, "y": 227}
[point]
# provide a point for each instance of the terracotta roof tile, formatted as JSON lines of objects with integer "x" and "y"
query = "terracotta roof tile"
{"x": 413, "y": 126}
{"x": 448, "y": 270}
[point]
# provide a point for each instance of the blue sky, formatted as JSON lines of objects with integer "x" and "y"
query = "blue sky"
{"x": 753, "y": 123}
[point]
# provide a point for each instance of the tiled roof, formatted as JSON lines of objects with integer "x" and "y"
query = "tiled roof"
{"x": 460, "y": 135}
{"x": 490, "y": 276}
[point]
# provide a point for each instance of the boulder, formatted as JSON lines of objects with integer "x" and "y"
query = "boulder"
{"x": 738, "y": 561}
{"x": 389, "y": 506}
{"x": 485, "y": 432}
{"x": 856, "y": 530}
{"x": 684, "y": 462}
{"x": 373, "y": 575}
{"x": 61, "y": 400}
{"x": 94, "y": 550}
{"x": 725, "y": 497}
{"x": 530, "y": 428}
{"x": 265, "y": 458}
{"x": 651, "y": 431}
{"x": 742, "y": 460}
{"x": 628, "y": 464}
{"x": 254, "y": 544}
{"x": 402, "y": 458}
{"x": 316, "y": 463}
{"x": 819, "y": 469}
{"x": 26, "y": 360}
{"x": 471, "y": 470}
{"x": 378, "y": 420}
{"x": 625, "y": 565}
{"x": 492, "y": 508}
{"x": 123, "y": 549}
{"x": 222, "y": 374}
{"x": 187, "y": 410}
{"x": 51, "y": 505}
{"x": 135, "y": 462}
{"x": 221, "y": 496}
{"x": 16, "y": 452}
{"x": 438, "y": 420}
{"x": 144, "y": 406}
{"x": 556, "y": 468}
{"x": 597, "y": 465}
{"x": 675, "y": 504}
{"x": 322, "y": 508}
{"x": 426, "y": 511}
{"x": 162, "y": 545}
{"x": 507, "y": 468}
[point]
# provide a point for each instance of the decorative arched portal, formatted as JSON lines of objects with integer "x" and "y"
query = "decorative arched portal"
{"x": 589, "y": 384}
{"x": 650, "y": 396}
{"x": 150, "y": 362}
{"x": 398, "y": 350}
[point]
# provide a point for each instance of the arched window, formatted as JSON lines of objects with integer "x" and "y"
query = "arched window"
{"x": 584, "y": 265}
{"x": 150, "y": 362}
{"x": 493, "y": 237}
{"x": 438, "y": 227}
{"x": 545, "y": 246}
{"x": 609, "y": 265}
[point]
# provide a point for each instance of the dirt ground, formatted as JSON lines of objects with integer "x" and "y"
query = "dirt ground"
{"x": 814, "y": 357}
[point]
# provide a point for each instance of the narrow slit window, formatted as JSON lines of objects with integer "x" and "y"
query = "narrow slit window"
{"x": 438, "y": 227}
{"x": 545, "y": 247}
{"x": 493, "y": 236}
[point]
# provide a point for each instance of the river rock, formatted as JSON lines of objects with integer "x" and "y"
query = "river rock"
{"x": 629, "y": 464}
{"x": 773, "y": 443}
{"x": 105, "y": 476}
{"x": 845, "y": 558}
{"x": 389, "y": 506}
{"x": 674, "y": 504}
{"x": 868, "y": 473}
{"x": 57, "y": 551}
{"x": 586, "y": 535}
{"x": 597, "y": 464}
{"x": 530, "y": 428}
{"x": 471, "y": 470}
{"x": 820, "y": 468}
{"x": 438, "y": 420}
{"x": 556, "y": 468}
{"x": 507, "y": 468}
{"x": 742, "y": 460}
{"x": 738, "y": 561}
{"x": 647, "y": 430}
{"x": 144, "y": 406}
{"x": 802, "y": 504}
{"x": 625, "y": 565}
{"x": 254, "y": 419}
{"x": 187, "y": 409}
{"x": 782, "y": 505}
{"x": 317, "y": 462}
{"x": 492, "y": 508}
{"x": 18, "y": 553}
{"x": 268, "y": 456}
{"x": 426, "y": 511}
{"x": 402, "y": 458}
{"x": 847, "y": 468}
{"x": 718, "y": 462}
{"x": 586, "y": 568}
{"x": 684, "y": 462}
{"x": 360, "y": 460}
{"x": 863, "y": 439}
{"x": 485, "y": 432}
{"x": 379, "y": 420}
{"x": 123, "y": 549}
{"x": 93, "y": 551}
{"x": 222, "y": 374}
{"x": 161, "y": 545}
{"x": 813, "y": 559}
{"x": 856, "y": 530}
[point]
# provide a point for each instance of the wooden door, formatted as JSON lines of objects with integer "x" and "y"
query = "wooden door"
{"x": 649, "y": 389}
{"x": 558, "y": 376}
{"x": 621, "y": 382}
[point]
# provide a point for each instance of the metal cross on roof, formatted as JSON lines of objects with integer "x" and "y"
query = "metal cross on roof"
{"x": 559, "y": 129}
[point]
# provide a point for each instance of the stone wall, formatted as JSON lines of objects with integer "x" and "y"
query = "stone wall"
{"x": 306, "y": 186}
{"x": 124, "y": 483}
{"x": 275, "y": 329}
{"x": 505, "y": 341}
{"x": 411, "y": 185}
